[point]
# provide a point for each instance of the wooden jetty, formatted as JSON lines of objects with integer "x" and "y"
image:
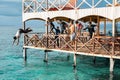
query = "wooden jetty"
{"x": 100, "y": 45}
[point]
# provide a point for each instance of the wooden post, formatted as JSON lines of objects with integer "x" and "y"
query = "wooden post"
{"x": 47, "y": 32}
{"x": 24, "y": 41}
{"x": 111, "y": 65}
{"x": 98, "y": 26}
{"x": 93, "y": 39}
{"x": 105, "y": 26}
{"x": 90, "y": 19}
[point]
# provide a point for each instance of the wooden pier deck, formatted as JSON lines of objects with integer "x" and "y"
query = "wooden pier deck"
{"x": 100, "y": 46}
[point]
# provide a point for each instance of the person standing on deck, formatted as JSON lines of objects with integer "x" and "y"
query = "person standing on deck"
{"x": 57, "y": 30}
{"x": 52, "y": 26}
{"x": 91, "y": 29}
{"x": 56, "y": 23}
{"x": 72, "y": 31}
{"x": 63, "y": 26}
{"x": 79, "y": 26}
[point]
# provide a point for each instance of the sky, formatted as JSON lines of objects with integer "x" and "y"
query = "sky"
{"x": 10, "y": 12}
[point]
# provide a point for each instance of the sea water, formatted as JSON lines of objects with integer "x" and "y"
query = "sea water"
{"x": 58, "y": 67}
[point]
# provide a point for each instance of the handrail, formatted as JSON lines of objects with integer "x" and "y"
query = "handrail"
{"x": 96, "y": 45}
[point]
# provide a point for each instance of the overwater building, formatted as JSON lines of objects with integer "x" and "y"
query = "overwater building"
{"x": 100, "y": 45}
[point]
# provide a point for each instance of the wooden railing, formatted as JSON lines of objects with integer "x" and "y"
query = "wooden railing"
{"x": 104, "y": 45}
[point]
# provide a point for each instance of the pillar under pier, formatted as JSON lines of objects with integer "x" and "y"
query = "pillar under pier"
{"x": 94, "y": 60}
{"x": 46, "y": 56}
{"x": 112, "y": 61}
{"x": 68, "y": 56}
{"x": 74, "y": 65}
{"x": 25, "y": 54}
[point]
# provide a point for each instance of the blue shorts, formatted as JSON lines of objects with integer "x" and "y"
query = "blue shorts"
{"x": 72, "y": 36}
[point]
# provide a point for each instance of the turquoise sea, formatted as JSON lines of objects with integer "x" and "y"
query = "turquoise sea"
{"x": 13, "y": 67}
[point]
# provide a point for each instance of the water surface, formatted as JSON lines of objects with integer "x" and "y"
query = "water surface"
{"x": 13, "y": 67}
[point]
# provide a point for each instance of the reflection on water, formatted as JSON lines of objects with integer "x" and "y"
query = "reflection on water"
{"x": 111, "y": 76}
{"x": 75, "y": 74}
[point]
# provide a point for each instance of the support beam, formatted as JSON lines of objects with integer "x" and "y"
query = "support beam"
{"x": 46, "y": 57}
{"x": 68, "y": 56}
{"x": 111, "y": 65}
{"x": 47, "y": 31}
{"x": 113, "y": 22}
{"x": 25, "y": 54}
{"x": 74, "y": 65}
{"x": 94, "y": 60}
{"x": 113, "y": 28}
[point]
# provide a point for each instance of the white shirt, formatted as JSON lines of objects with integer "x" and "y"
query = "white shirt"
{"x": 18, "y": 34}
